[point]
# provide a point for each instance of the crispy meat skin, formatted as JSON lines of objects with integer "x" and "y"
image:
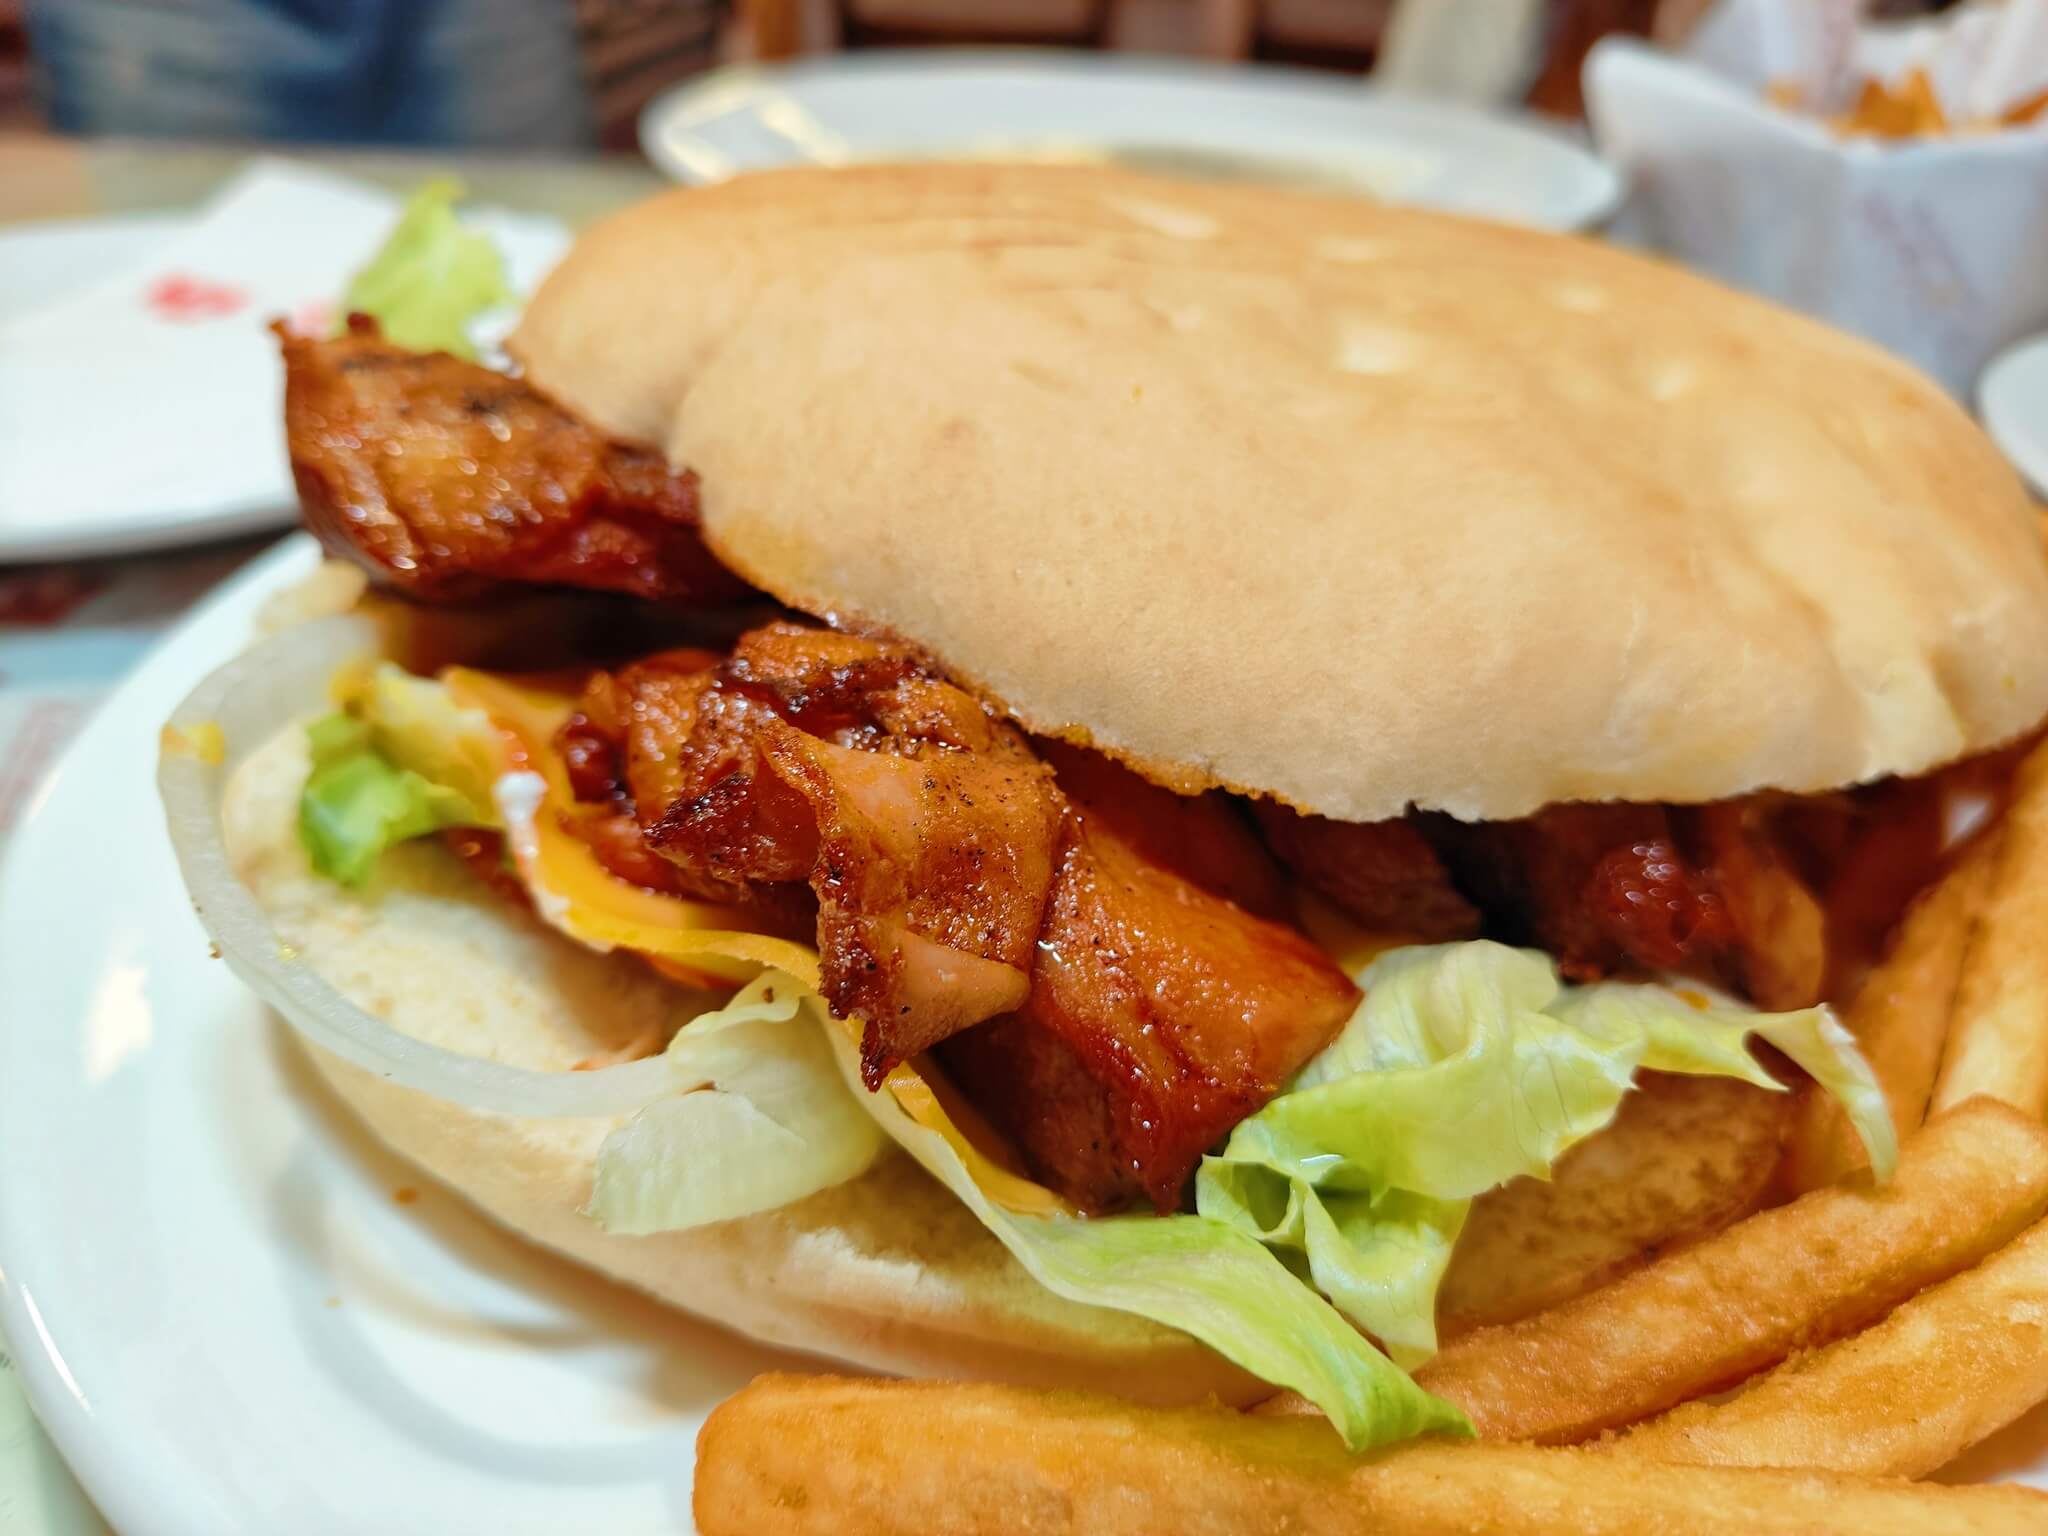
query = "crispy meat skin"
{"x": 926, "y": 827}
{"x": 444, "y": 479}
{"x": 592, "y": 744}
{"x": 1205, "y": 839}
{"x": 1189, "y": 1010}
{"x": 1141, "y": 1010}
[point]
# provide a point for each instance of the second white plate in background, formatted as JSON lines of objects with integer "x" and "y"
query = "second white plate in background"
{"x": 2012, "y": 398}
{"x": 1238, "y": 120}
{"x": 140, "y": 395}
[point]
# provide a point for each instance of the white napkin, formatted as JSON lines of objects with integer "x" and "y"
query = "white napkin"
{"x": 1932, "y": 247}
{"x": 146, "y": 408}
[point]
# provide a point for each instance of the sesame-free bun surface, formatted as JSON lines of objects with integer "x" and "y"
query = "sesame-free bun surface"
{"x": 1355, "y": 506}
{"x": 888, "y": 1271}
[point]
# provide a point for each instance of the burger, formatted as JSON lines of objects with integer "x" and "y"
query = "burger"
{"x": 1036, "y": 772}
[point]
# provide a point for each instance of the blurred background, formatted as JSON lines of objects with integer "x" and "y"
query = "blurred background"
{"x": 555, "y": 74}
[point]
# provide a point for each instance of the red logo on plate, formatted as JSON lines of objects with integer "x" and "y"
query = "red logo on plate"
{"x": 181, "y": 296}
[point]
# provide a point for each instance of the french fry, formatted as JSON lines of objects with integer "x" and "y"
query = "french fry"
{"x": 1685, "y": 1157}
{"x": 1786, "y": 1279}
{"x": 2028, "y": 109}
{"x": 1907, "y": 110}
{"x": 1909, "y": 1395}
{"x": 793, "y": 1456}
{"x": 1998, "y": 1034}
{"x": 1899, "y": 1017}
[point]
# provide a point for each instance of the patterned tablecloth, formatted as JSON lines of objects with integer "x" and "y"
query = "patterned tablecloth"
{"x": 69, "y": 633}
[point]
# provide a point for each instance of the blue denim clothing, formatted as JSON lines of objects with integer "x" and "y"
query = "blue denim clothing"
{"x": 500, "y": 73}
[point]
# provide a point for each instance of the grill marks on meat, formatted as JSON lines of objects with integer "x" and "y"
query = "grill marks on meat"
{"x": 593, "y": 744}
{"x": 444, "y": 479}
{"x": 926, "y": 828}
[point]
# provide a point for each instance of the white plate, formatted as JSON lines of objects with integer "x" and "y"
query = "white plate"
{"x": 223, "y": 1317}
{"x": 139, "y": 410}
{"x": 1232, "y": 120}
{"x": 42, "y": 262}
{"x": 2012, "y": 397}
{"x": 226, "y": 1321}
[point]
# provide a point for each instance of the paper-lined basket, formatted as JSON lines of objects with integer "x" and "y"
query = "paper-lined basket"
{"x": 1935, "y": 247}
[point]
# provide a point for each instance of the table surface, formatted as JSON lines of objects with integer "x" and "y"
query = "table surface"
{"x": 69, "y": 631}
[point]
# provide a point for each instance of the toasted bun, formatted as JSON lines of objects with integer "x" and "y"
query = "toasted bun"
{"x": 889, "y": 1271}
{"x": 1353, "y": 506}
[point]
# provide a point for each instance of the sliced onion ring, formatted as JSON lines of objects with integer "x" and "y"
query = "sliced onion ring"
{"x": 249, "y": 701}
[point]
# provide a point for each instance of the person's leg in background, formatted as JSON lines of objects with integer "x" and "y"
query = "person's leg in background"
{"x": 497, "y": 73}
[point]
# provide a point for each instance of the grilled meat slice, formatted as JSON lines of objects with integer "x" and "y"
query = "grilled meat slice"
{"x": 444, "y": 479}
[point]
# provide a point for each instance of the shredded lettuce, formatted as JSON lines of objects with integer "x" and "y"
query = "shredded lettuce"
{"x": 431, "y": 277}
{"x": 400, "y": 761}
{"x": 760, "y": 1119}
{"x": 1204, "y": 1277}
{"x": 417, "y": 724}
{"x": 1465, "y": 1066}
{"x": 357, "y": 803}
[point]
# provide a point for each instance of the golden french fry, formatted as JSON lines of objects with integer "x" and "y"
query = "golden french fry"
{"x": 1998, "y": 1034}
{"x": 1685, "y": 1157}
{"x": 1907, "y": 110}
{"x": 793, "y": 1456}
{"x": 1911, "y": 1394}
{"x": 1924, "y": 107}
{"x": 1786, "y": 1279}
{"x": 2026, "y": 110}
{"x": 1899, "y": 1017}
{"x": 1877, "y": 112}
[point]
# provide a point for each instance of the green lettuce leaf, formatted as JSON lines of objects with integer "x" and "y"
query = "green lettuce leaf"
{"x": 356, "y": 803}
{"x": 1713, "y": 1041}
{"x": 1203, "y": 1276}
{"x": 1465, "y": 1066}
{"x": 431, "y": 277}
{"x": 760, "y": 1118}
{"x": 416, "y": 724}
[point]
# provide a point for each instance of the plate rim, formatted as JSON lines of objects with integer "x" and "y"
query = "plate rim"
{"x": 67, "y": 1417}
{"x": 2001, "y": 414}
{"x": 229, "y": 520}
{"x": 1606, "y": 186}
